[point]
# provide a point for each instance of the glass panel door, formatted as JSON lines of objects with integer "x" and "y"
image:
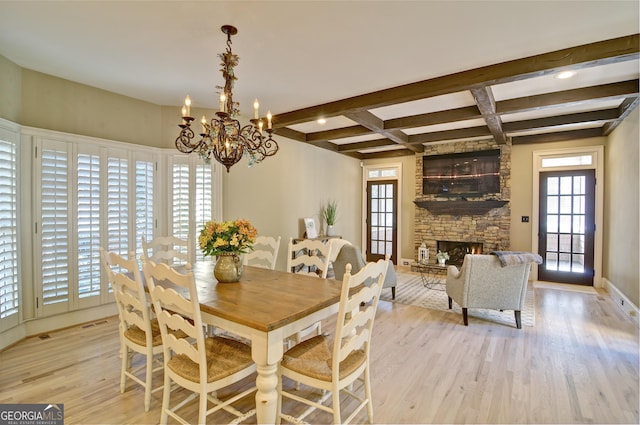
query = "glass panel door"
{"x": 567, "y": 226}
{"x": 382, "y": 207}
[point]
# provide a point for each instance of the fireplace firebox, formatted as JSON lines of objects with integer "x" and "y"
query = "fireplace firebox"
{"x": 457, "y": 250}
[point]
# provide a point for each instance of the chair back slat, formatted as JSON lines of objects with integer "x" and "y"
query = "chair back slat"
{"x": 264, "y": 254}
{"x": 168, "y": 249}
{"x": 357, "y": 311}
{"x": 307, "y": 256}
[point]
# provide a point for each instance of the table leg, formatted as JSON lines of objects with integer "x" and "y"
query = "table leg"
{"x": 267, "y": 394}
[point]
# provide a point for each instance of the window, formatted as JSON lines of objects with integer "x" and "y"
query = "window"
{"x": 9, "y": 290}
{"x": 567, "y": 161}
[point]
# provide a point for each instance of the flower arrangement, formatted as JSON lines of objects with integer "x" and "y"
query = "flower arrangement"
{"x": 442, "y": 256}
{"x": 233, "y": 237}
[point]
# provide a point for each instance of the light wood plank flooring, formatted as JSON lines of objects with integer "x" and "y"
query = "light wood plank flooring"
{"x": 578, "y": 364}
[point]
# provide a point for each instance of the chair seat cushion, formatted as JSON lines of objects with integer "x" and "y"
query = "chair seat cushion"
{"x": 313, "y": 358}
{"x": 224, "y": 358}
{"x": 138, "y": 336}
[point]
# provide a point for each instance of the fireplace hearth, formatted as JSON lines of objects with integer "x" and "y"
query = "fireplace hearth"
{"x": 457, "y": 250}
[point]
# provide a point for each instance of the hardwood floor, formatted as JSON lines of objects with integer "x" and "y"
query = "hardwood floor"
{"x": 578, "y": 364}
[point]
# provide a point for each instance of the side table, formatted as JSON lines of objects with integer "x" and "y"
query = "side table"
{"x": 433, "y": 275}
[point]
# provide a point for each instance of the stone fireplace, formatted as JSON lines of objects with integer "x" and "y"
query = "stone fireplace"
{"x": 458, "y": 249}
{"x": 483, "y": 219}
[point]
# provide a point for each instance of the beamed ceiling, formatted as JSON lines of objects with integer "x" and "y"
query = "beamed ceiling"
{"x": 521, "y": 101}
{"x": 389, "y": 77}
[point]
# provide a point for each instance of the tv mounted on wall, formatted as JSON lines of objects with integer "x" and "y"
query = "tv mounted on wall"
{"x": 462, "y": 174}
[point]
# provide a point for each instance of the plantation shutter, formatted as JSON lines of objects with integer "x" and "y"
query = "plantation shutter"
{"x": 203, "y": 211}
{"x": 144, "y": 203}
{"x": 180, "y": 210}
{"x": 88, "y": 201}
{"x": 54, "y": 227}
{"x": 117, "y": 206}
{"x": 9, "y": 291}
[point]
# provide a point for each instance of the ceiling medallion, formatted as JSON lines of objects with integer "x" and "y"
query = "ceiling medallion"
{"x": 223, "y": 137}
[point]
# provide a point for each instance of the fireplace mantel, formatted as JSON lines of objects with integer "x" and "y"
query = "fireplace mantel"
{"x": 460, "y": 207}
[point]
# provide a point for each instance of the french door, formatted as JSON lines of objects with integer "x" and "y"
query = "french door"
{"x": 567, "y": 226}
{"x": 382, "y": 219}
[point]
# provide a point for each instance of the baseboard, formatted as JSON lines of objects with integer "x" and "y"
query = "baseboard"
{"x": 629, "y": 308}
{"x": 405, "y": 262}
{"x": 49, "y": 324}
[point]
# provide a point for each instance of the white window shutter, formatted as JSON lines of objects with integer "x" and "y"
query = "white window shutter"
{"x": 202, "y": 202}
{"x": 88, "y": 203}
{"x": 54, "y": 226}
{"x": 117, "y": 206}
{"x": 9, "y": 291}
{"x": 181, "y": 201}
{"x": 144, "y": 202}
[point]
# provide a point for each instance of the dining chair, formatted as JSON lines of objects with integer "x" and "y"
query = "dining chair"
{"x": 264, "y": 254}
{"x": 334, "y": 365}
{"x": 199, "y": 364}
{"x": 139, "y": 330}
{"x": 308, "y": 257}
{"x": 168, "y": 249}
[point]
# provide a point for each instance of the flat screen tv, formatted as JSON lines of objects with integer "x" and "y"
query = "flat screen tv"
{"x": 462, "y": 174}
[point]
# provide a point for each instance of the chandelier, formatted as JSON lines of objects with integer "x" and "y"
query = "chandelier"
{"x": 223, "y": 137}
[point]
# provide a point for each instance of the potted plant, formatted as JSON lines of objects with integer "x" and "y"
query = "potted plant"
{"x": 442, "y": 257}
{"x": 329, "y": 216}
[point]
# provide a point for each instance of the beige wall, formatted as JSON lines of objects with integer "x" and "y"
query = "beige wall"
{"x": 10, "y": 90}
{"x": 62, "y": 105}
{"x": 621, "y": 264}
{"x": 278, "y": 193}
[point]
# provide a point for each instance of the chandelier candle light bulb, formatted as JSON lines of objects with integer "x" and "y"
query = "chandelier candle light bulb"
{"x": 223, "y": 137}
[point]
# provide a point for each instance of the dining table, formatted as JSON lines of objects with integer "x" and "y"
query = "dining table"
{"x": 265, "y": 306}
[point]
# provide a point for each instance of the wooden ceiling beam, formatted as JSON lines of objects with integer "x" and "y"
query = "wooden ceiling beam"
{"x": 354, "y": 147}
{"x": 433, "y": 118}
{"x": 375, "y": 124}
{"x": 389, "y": 154}
{"x": 599, "y": 53}
{"x": 555, "y": 121}
{"x": 487, "y": 107}
{"x": 338, "y": 133}
{"x": 602, "y": 92}
{"x": 625, "y": 108}
{"x": 557, "y": 137}
{"x": 437, "y": 136}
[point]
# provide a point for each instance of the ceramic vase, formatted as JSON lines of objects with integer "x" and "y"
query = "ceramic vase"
{"x": 330, "y": 231}
{"x": 228, "y": 268}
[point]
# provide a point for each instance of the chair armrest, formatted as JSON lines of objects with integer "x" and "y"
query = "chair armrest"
{"x": 452, "y": 271}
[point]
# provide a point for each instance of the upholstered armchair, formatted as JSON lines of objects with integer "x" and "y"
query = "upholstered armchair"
{"x": 351, "y": 254}
{"x": 483, "y": 282}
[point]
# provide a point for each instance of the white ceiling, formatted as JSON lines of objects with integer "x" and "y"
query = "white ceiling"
{"x": 297, "y": 54}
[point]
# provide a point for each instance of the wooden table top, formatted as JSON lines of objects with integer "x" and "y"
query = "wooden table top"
{"x": 264, "y": 299}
